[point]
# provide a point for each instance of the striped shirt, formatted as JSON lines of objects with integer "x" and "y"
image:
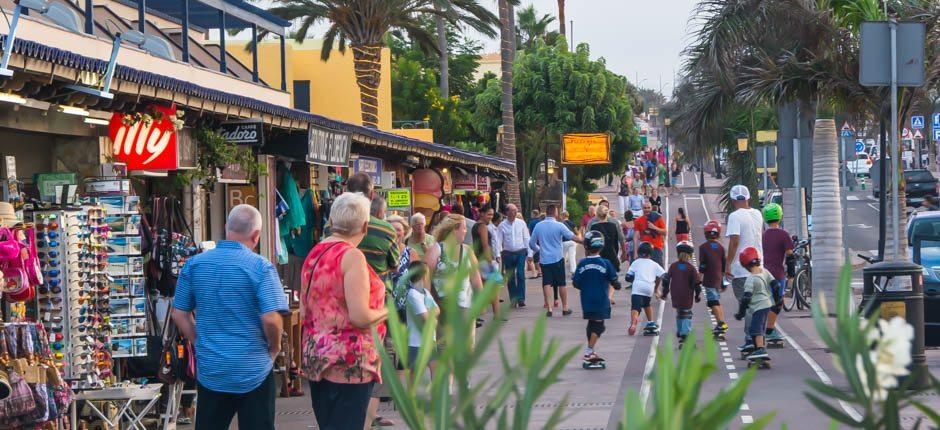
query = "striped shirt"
{"x": 229, "y": 288}
{"x": 379, "y": 247}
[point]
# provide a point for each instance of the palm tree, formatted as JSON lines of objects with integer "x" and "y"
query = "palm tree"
{"x": 532, "y": 27}
{"x": 827, "y": 208}
{"x": 473, "y": 9}
{"x": 507, "y": 144}
{"x": 363, "y": 24}
{"x": 562, "y": 30}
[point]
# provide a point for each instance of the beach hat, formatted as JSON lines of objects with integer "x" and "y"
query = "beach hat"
{"x": 7, "y": 215}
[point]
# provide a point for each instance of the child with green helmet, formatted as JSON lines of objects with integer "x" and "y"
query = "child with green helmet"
{"x": 779, "y": 261}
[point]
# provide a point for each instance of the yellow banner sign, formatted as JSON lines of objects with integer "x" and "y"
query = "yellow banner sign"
{"x": 399, "y": 198}
{"x": 585, "y": 148}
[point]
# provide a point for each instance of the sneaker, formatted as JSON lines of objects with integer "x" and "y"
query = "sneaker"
{"x": 748, "y": 344}
{"x": 747, "y": 349}
{"x": 758, "y": 353}
{"x": 479, "y": 322}
{"x": 548, "y": 313}
{"x": 774, "y": 335}
{"x": 723, "y": 326}
{"x": 520, "y": 304}
{"x": 567, "y": 312}
{"x": 651, "y": 325}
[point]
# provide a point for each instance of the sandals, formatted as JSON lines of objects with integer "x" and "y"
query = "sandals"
{"x": 382, "y": 422}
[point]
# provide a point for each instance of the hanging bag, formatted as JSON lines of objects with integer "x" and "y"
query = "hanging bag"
{"x": 13, "y": 259}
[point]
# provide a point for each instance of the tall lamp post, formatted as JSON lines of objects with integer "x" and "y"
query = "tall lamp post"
{"x": 666, "y": 123}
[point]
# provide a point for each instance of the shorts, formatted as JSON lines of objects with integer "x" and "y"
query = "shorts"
{"x": 712, "y": 294}
{"x": 657, "y": 256}
{"x": 758, "y": 322}
{"x": 638, "y": 302}
{"x": 413, "y": 356}
{"x": 777, "y": 287}
{"x": 553, "y": 274}
{"x": 682, "y": 237}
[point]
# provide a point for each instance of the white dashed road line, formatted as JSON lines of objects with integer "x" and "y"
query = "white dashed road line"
{"x": 647, "y": 386}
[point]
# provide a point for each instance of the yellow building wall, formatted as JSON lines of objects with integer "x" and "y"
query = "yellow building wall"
{"x": 333, "y": 90}
{"x": 425, "y": 134}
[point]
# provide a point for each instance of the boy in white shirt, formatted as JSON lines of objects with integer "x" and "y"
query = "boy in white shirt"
{"x": 420, "y": 307}
{"x": 645, "y": 275}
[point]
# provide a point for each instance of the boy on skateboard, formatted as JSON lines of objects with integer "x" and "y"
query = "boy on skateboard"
{"x": 593, "y": 277}
{"x": 645, "y": 275}
{"x": 779, "y": 261}
{"x": 682, "y": 280}
{"x": 756, "y": 300}
{"x": 712, "y": 264}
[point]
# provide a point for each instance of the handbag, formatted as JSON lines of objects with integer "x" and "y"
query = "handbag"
{"x": 32, "y": 258}
{"x": 13, "y": 265}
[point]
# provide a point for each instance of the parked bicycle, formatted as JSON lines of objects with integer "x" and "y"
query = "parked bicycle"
{"x": 799, "y": 291}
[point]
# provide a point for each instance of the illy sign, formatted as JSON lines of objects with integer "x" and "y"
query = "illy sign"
{"x": 328, "y": 147}
{"x": 243, "y": 132}
{"x": 145, "y": 145}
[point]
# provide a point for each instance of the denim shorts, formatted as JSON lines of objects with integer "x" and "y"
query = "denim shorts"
{"x": 758, "y": 322}
{"x": 712, "y": 294}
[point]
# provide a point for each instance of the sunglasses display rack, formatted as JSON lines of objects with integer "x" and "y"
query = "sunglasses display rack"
{"x": 73, "y": 302}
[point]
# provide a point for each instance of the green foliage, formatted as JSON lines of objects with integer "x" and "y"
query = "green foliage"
{"x": 531, "y": 27}
{"x": 507, "y": 398}
{"x": 677, "y": 392}
{"x": 215, "y": 154}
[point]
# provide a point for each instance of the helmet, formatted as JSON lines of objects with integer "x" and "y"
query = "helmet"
{"x": 645, "y": 249}
{"x": 749, "y": 256}
{"x": 685, "y": 247}
{"x": 593, "y": 240}
{"x": 712, "y": 229}
{"x": 772, "y": 212}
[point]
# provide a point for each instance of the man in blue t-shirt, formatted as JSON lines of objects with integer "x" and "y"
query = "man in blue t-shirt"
{"x": 547, "y": 238}
{"x": 237, "y": 299}
{"x": 593, "y": 277}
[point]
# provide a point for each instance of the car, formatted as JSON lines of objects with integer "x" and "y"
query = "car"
{"x": 923, "y": 230}
{"x": 919, "y": 183}
{"x": 861, "y": 166}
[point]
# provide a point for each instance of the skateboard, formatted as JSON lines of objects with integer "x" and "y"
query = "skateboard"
{"x": 745, "y": 353}
{"x": 650, "y": 331}
{"x": 594, "y": 363}
{"x": 760, "y": 363}
{"x": 718, "y": 334}
{"x": 777, "y": 343}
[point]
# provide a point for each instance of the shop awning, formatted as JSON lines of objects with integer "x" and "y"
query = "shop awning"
{"x": 196, "y": 97}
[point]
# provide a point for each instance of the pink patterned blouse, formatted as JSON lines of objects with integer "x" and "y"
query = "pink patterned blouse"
{"x": 333, "y": 348}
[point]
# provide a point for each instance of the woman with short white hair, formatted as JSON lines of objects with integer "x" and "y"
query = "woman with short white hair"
{"x": 420, "y": 241}
{"x": 342, "y": 300}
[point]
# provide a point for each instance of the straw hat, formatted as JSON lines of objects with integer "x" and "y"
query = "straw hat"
{"x": 7, "y": 215}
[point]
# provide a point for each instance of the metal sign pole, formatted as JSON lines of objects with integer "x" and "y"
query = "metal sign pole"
{"x": 895, "y": 183}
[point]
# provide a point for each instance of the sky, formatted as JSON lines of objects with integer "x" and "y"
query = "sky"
{"x": 642, "y": 40}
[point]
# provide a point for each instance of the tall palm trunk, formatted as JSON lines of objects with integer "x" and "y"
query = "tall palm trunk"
{"x": 442, "y": 47}
{"x": 367, "y": 60}
{"x": 507, "y": 147}
{"x": 828, "y": 255}
{"x": 561, "y": 18}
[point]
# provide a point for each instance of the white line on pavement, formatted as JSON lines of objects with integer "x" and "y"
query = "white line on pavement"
{"x": 851, "y": 198}
{"x": 745, "y": 407}
{"x": 729, "y": 366}
{"x": 647, "y": 386}
{"x": 747, "y": 419}
{"x": 819, "y": 372}
{"x": 872, "y": 205}
{"x": 733, "y": 375}
{"x": 729, "y": 360}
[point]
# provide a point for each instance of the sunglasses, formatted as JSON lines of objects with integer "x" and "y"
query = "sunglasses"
{"x": 55, "y": 300}
{"x": 45, "y": 290}
{"x": 50, "y": 254}
{"x": 50, "y": 235}
{"x": 54, "y": 273}
{"x": 57, "y": 346}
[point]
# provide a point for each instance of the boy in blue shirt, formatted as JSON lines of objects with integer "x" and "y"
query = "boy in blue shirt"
{"x": 593, "y": 277}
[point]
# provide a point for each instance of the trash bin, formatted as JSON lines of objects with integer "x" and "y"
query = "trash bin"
{"x": 895, "y": 288}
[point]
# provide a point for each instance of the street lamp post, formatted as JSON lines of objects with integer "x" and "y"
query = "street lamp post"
{"x": 666, "y": 123}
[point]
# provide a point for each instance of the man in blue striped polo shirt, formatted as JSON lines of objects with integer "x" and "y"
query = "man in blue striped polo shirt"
{"x": 237, "y": 299}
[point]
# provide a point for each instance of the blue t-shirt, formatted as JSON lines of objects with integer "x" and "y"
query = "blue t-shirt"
{"x": 532, "y": 224}
{"x": 593, "y": 277}
{"x": 547, "y": 240}
{"x": 229, "y": 288}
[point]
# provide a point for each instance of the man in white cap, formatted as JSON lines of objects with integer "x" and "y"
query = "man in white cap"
{"x": 745, "y": 228}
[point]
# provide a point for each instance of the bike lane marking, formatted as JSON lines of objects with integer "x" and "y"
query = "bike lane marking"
{"x": 646, "y": 387}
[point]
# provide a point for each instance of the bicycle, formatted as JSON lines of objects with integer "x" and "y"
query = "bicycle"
{"x": 800, "y": 289}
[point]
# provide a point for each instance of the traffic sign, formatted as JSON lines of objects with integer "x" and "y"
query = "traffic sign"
{"x": 917, "y": 122}
{"x": 936, "y": 134}
{"x": 859, "y": 146}
{"x": 906, "y": 133}
{"x": 936, "y": 120}
{"x": 918, "y": 134}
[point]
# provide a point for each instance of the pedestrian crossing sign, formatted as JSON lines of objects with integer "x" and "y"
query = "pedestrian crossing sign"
{"x": 917, "y": 122}
{"x": 936, "y": 134}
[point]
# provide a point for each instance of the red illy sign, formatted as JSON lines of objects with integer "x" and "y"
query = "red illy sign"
{"x": 145, "y": 146}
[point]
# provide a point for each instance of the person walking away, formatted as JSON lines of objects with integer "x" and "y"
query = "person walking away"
{"x": 378, "y": 246}
{"x": 682, "y": 280}
{"x": 229, "y": 303}
{"x": 569, "y": 247}
{"x": 512, "y": 245}
{"x": 629, "y": 232}
{"x": 652, "y": 229}
{"x": 593, "y": 277}
{"x": 613, "y": 241}
{"x": 419, "y": 241}
{"x": 779, "y": 261}
{"x": 483, "y": 248}
{"x": 547, "y": 238}
{"x": 676, "y": 173}
{"x": 623, "y": 195}
{"x": 645, "y": 276}
{"x": 756, "y": 301}
{"x": 745, "y": 229}
{"x": 421, "y": 309}
{"x": 448, "y": 259}
{"x": 663, "y": 177}
{"x": 682, "y": 226}
{"x": 536, "y": 269}
{"x": 656, "y": 201}
{"x": 342, "y": 301}
{"x": 712, "y": 263}
{"x": 636, "y": 203}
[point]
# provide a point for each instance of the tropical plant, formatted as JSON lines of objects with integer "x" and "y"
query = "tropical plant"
{"x": 364, "y": 24}
{"x": 215, "y": 155}
{"x": 507, "y": 56}
{"x": 531, "y": 26}
{"x": 677, "y": 392}
{"x": 450, "y": 399}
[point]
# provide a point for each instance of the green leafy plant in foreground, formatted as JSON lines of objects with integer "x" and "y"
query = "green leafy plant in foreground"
{"x": 449, "y": 400}
{"x": 871, "y": 353}
{"x": 677, "y": 392}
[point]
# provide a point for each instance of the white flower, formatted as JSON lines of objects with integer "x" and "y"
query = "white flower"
{"x": 890, "y": 355}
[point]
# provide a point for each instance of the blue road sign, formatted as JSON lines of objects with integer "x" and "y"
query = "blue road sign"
{"x": 859, "y": 146}
{"x": 917, "y": 122}
{"x": 936, "y": 120}
{"x": 846, "y": 133}
{"x": 936, "y": 134}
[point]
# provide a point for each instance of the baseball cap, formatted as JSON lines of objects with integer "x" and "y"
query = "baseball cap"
{"x": 740, "y": 192}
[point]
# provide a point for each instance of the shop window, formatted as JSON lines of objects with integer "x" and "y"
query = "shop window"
{"x": 302, "y": 95}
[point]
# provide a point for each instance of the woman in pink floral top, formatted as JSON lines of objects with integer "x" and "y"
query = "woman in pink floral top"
{"x": 343, "y": 299}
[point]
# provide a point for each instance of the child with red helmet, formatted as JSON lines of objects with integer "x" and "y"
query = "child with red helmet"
{"x": 757, "y": 300}
{"x": 712, "y": 263}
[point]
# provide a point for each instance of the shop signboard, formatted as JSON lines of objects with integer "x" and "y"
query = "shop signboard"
{"x": 398, "y": 198}
{"x": 328, "y": 147}
{"x": 145, "y": 145}
{"x": 234, "y": 174}
{"x": 240, "y": 194}
{"x": 464, "y": 181}
{"x": 248, "y": 132}
{"x": 585, "y": 148}
{"x": 370, "y": 166}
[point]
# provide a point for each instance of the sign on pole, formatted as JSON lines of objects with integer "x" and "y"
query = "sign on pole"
{"x": 906, "y": 133}
{"x": 585, "y": 148}
{"x": 936, "y": 134}
{"x": 859, "y": 146}
{"x": 936, "y": 120}
{"x": 917, "y": 122}
{"x": 875, "y": 54}
{"x": 918, "y": 134}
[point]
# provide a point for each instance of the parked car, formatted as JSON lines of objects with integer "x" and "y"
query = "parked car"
{"x": 924, "y": 227}
{"x": 919, "y": 184}
{"x": 861, "y": 166}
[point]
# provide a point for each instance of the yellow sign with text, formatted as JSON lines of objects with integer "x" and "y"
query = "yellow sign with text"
{"x": 585, "y": 148}
{"x": 398, "y": 198}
